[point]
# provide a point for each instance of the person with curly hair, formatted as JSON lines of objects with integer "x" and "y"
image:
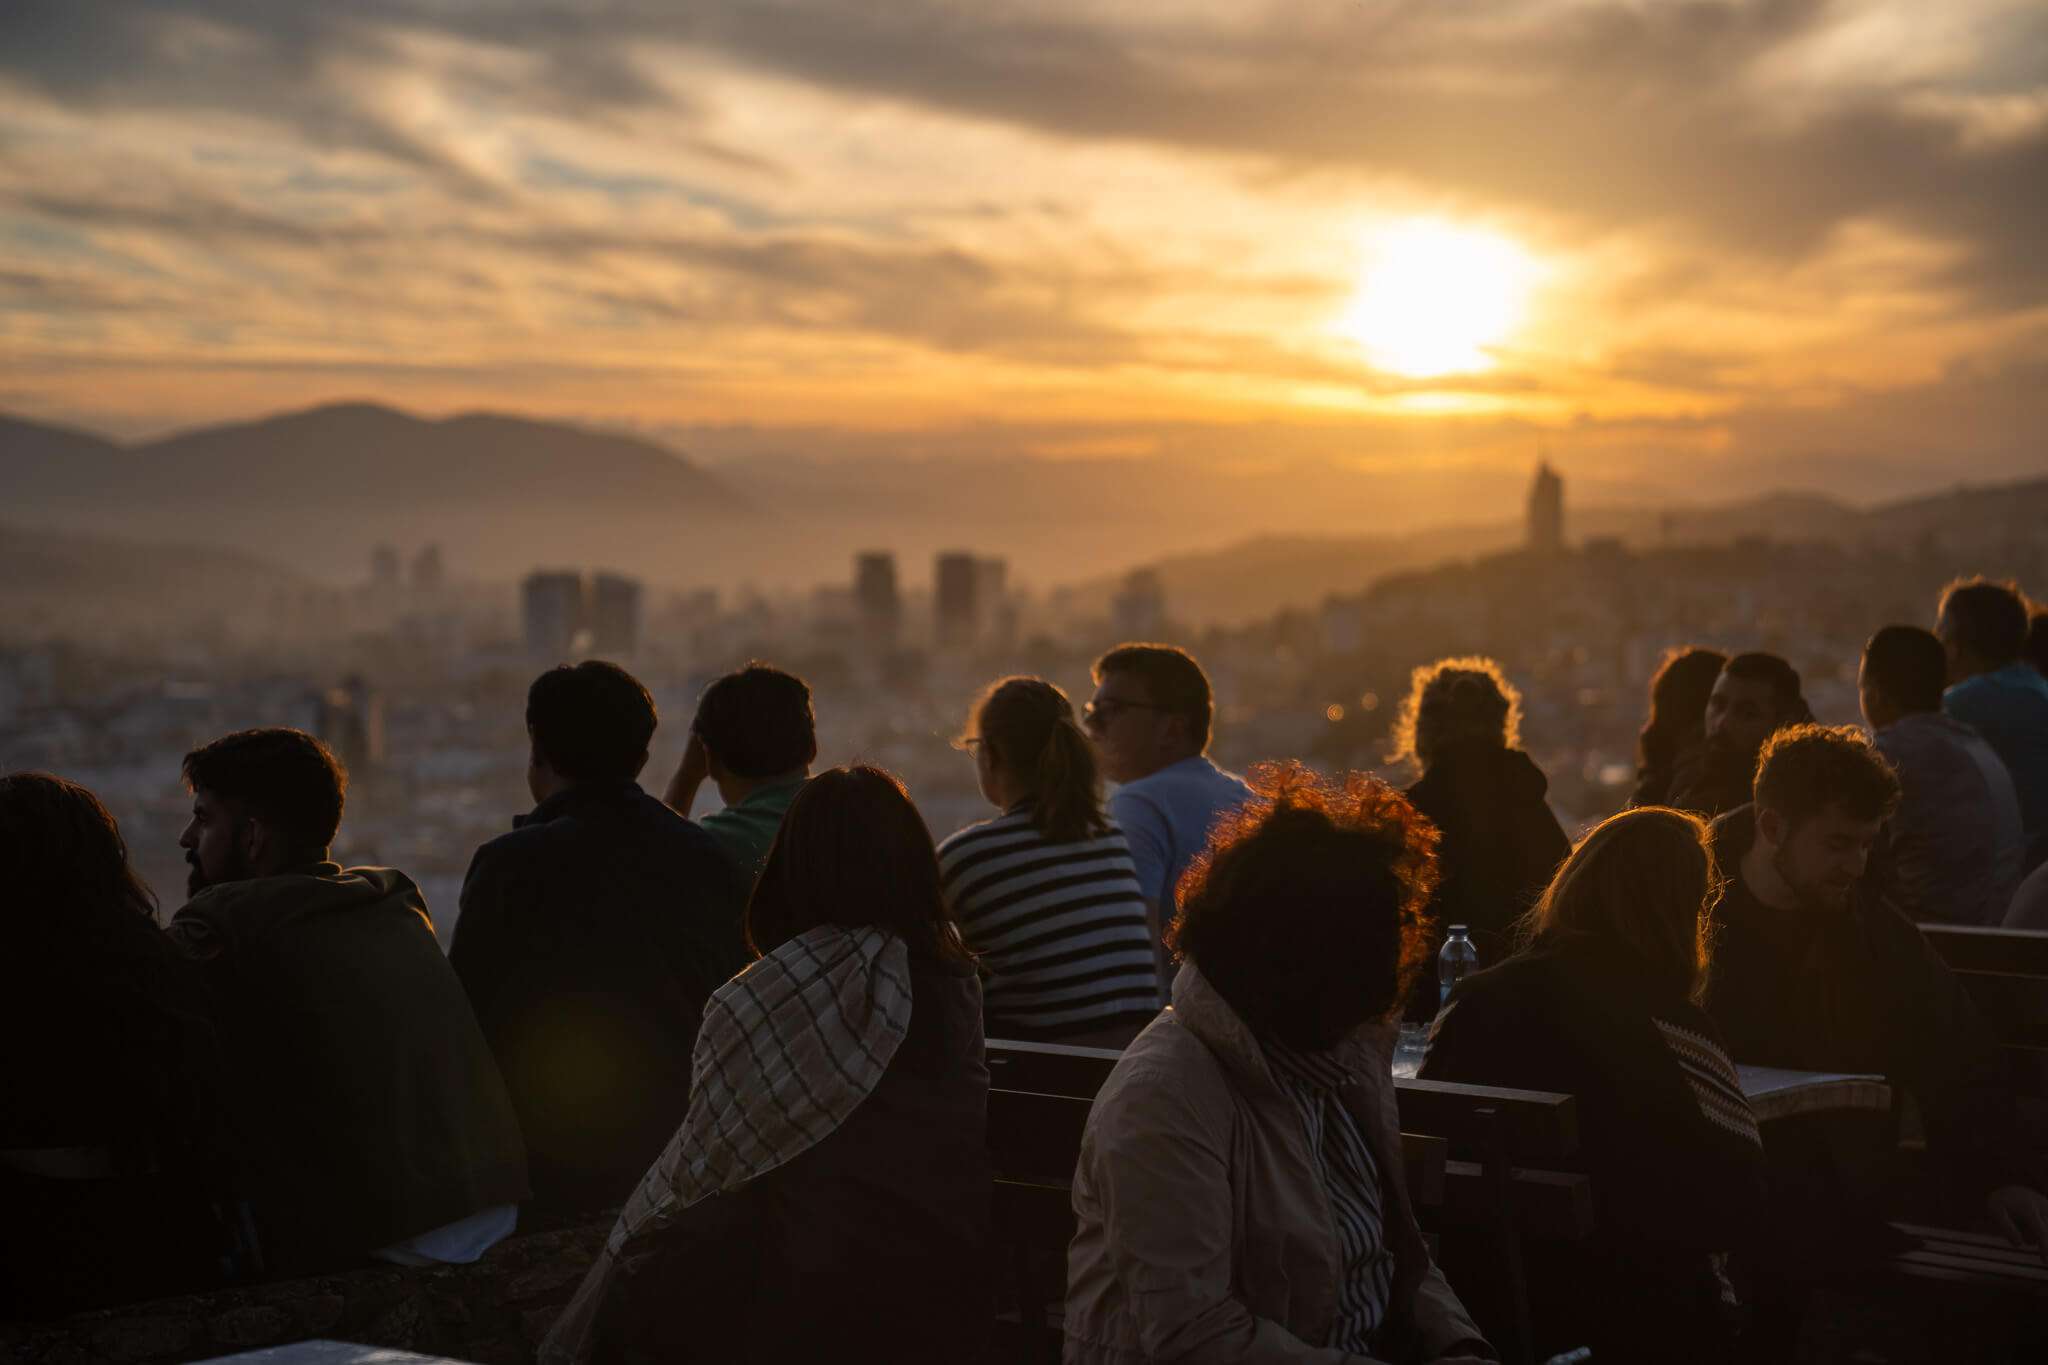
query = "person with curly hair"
{"x": 1239, "y": 1193}
{"x": 1460, "y": 725}
{"x": 1601, "y": 1003}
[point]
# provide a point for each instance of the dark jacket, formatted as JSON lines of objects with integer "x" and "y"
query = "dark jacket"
{"x": 115, "y": 1170}
{"x": 1709, "y": 779}
{"x": 1501, "y": 844}
{"x": 589, "y": 939}
{"x": 1670, "y": 1183}
{"x": 361, "y": 1087}
{"x": 1954, "y": 848}
{"x": 872, "y": 1245}
{"x": 1858, "y": 990}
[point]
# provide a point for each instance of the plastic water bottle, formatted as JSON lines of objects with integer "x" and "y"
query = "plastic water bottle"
{"x": 1458, "y": 960}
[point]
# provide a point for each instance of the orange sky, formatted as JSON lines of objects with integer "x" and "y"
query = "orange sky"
{"x": 1789, "y": 235}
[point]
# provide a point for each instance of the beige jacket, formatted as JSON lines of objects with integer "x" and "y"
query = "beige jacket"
{"x": 1204, "y": 1231}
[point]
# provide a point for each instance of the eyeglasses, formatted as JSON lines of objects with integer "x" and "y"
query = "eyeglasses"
{"x": 1104, "y": 713}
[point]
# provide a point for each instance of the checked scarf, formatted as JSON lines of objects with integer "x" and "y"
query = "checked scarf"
{"x": 788, "y": 1049}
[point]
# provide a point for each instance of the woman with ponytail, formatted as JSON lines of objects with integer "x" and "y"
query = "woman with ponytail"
{"x": 1046, "y": 892}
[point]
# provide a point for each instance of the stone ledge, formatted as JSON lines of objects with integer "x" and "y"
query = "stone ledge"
{"x": 492, "y": 1312}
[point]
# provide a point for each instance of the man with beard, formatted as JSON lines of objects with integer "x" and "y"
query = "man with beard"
{"x": 373, "y": 1120}
{"x": 1816, "y": 972}
{"x": 1755, "y": 696}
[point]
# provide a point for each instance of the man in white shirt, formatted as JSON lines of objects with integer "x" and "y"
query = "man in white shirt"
{"x": 1150, "y": 720}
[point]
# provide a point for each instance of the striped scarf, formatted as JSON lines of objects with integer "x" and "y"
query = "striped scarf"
{"x": 788, "y": 1049}
{"x": 1714, "y": 1082}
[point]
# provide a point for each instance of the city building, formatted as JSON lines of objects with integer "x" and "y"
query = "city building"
{"x": 878, "y": 602}
{"x": 384, "y": 570}
{"x": 552, "y": 609}
{"x": 1138, "y": 612}
{"x": 956, "y": 601}
{"x": 614, "y": 616}
{"x": 349, "y": 719}
{"x": 1546, "y": 511}
{"x": 429, "y": 574}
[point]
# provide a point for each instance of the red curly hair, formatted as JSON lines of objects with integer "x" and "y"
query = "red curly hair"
{"x": 1306, "y": 911}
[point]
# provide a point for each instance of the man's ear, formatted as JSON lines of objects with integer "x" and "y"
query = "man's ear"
{"x": 1770, "y": 826}
{"x": 253, "y": 836}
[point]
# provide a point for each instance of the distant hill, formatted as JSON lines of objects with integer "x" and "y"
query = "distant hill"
{"x": 316, "y": 490}
{"x": 68, "y": 583}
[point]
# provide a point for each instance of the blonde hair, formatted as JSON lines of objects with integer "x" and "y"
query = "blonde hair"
{"x": 1464, "y": 698}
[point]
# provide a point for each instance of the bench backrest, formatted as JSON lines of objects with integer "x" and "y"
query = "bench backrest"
{"x": 2005, "y": 972}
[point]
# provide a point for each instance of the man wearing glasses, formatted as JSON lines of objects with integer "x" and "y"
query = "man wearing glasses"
{"x": 1150, "y": 723}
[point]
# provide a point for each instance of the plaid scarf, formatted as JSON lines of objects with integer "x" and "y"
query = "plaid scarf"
{"x": 788, "y": 1049}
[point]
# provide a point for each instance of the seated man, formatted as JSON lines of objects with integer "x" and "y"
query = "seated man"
{"x": 1815, "y": 973}
{"x": 1756, "y": 695}
{"x": 372, "y": 1116}
{"x": 590, "y": 937}
{"x": 1951, "y": 852}
{"x": 1150, "y": 720}
{"x": 1997, "y": 693}
{"x": 1239, "y": 1193}
{"x": 755, "y": 738}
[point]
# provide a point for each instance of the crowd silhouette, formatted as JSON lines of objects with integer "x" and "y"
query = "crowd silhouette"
{"x": 762, "y": 1032}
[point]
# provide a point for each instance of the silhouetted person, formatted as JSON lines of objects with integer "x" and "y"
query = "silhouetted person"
{"x": 1814, "y": 971}
{"x": 1755, "y": 696}
{"x": 115, "y": 1174}
{"x": 372, "y": 1114}
{"x": 1602, "y": 1005}
{"x": 827, "y": 1197}
{"x": 1150, "y": 720}
{"x": 1952, "y": 851}
{"x": 1045, "y": 895}
{"x": 755, "y": 738}
{"x": 590, "y": 938}
{"x": 1995, "y": 692}
{"x": 1460, "y": 724}
{"x": 1239, "y": 1195}
{"x": 2037, "y": 640}
{"x": 1677, "y": 723}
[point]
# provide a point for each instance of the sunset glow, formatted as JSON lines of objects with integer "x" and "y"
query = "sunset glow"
{"x": 1434, "y": 298}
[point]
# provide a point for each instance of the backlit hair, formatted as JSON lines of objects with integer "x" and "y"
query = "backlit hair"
{"x": 1804, "y": 769}
{"x": 1028, "y": 725}
{"x": 1456, "y": 700}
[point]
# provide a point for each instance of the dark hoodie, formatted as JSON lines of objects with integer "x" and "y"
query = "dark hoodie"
{"x": 1500, "y": 844}
{"x": 364, "y": 1094}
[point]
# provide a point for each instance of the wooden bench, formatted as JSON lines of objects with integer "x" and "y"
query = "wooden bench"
{"x": 1483, "y": 1166}
{"x": 2005, "y": 972}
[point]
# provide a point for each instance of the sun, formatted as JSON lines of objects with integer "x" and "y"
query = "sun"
{"x": 1435, "y": 296}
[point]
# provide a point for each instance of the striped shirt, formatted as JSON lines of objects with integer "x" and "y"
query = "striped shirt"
{"x": 1351, "y": 1179}
{"x": 1060, "y": 928}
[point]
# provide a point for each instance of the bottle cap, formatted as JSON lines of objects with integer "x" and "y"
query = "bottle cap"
{"x": 1458, "y": 929}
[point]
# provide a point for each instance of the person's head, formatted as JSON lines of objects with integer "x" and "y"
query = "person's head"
{"x": 262, "y": 801}
{"x": 756, "y": 724}
{"x": 1754, "y": 695}
{"x": 1982, "y": 624}
{"x": 1152, "y": 707}
{"x": 852, "y": 851}
{"x": 1644, "y": 879}
{"x": 1822, "y": 794}
{"x": 1904, "y": 671}
{"x": 1305, "y": 913}
{"x": 2037, "y": 640}
{"x": 1678, "y": 702}
{"x": 1456, "y": 702}
{"x": 588, "y": 723}
{"x": 1026, "y": 745}
{"x": 61, "y": 852}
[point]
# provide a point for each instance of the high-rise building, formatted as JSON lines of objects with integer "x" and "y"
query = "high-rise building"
{"x": 614, "y": 615}
{"x": 428, "y": 573}
{"x": 552, "y": 602}
{"x": 1139, "y": 611}
{"x": 995, "y": 614}
{"x": 878, "y": 604}
{"x": 384, "y": 567}
{"x": 956, "y": 583}
{"x": 1546, "y": 510}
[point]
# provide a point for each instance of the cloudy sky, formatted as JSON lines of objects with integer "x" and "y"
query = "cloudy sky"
{"x": 1676, "y": 241}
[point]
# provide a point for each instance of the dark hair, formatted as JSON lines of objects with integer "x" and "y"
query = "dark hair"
{"x": 1678, "y": 702}
{"x": 853, "y": 851}
{"x": 1804, "y": 769}
{"x": 1173, "y": 681}
{"x": 1786, "y": 692}
{"x": 1988, "y": 618}
{"x": 1306, "y": 911}
{"x": 286, "y": 778}
{"x": 2037, "y": 641}
{"x": 1646, "y": 879}
{"x": 1909, "y": 665}
{"x": 591, "y": 722}
{"x": 64, "y": 854}
{"x": 1028, "y": 724}
{"x": 1453, "y": 701}
{"x": 758, "y": 721}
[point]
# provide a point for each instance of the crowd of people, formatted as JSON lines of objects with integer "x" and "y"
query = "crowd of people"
{"x": 760, "y": 1032}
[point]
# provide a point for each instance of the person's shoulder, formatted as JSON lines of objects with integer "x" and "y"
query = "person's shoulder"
{"x": 1007, "y": 827}
{"x": 1166, "y": 1065}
